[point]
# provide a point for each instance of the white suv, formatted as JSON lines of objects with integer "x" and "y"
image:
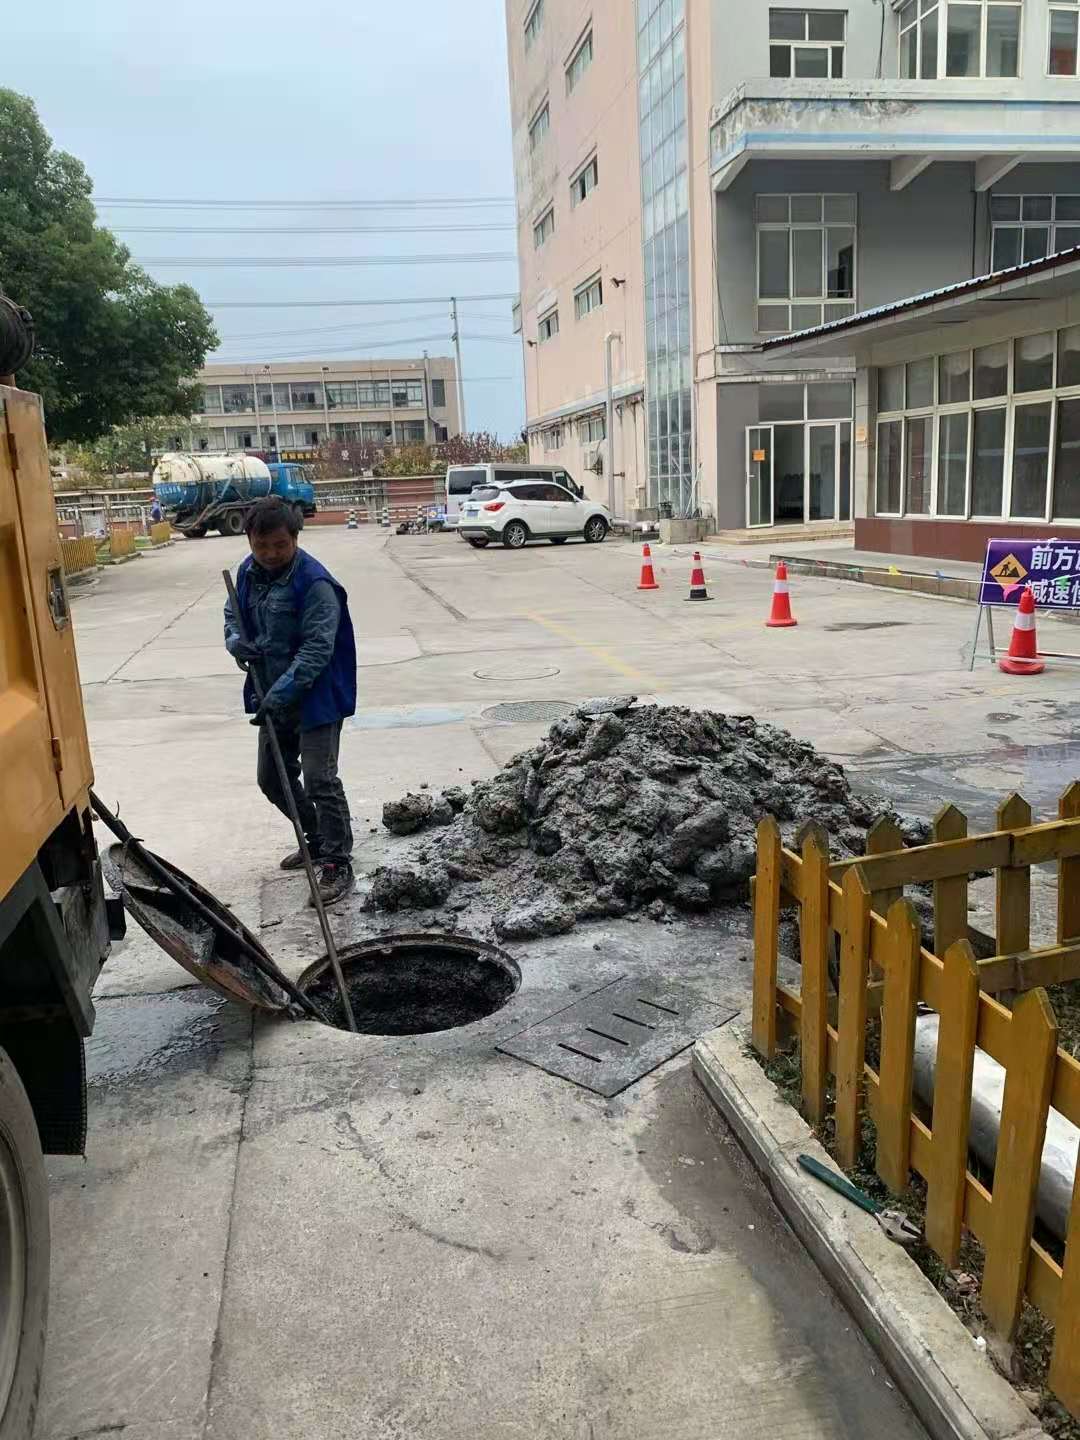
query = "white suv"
{"x": 526, "y": 511}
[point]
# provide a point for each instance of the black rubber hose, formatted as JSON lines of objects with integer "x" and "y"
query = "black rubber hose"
{"x": 16, "y": 336}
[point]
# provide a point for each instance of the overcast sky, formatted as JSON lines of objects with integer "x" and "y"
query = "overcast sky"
{"x": 299, "y": 100}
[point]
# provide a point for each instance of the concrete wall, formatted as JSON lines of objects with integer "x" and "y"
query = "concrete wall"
{"x": 740, "y": 41}
{"x": 600, "y": 235}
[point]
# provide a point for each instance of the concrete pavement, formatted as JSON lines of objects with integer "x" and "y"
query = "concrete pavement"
{"x": 281, "y": 1230}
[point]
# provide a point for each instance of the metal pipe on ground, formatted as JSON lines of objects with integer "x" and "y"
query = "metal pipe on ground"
{"x": 294, "y": 814}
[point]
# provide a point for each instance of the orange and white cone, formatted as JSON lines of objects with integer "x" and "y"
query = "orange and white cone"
{"x": 1023, "y": 656}
{"x": 697, "y": 580}
{"x": 780, "y": 614}
{"x": 648, "y": 580}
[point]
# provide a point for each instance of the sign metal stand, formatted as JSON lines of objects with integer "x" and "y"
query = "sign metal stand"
{"x": 1052, "y": 569}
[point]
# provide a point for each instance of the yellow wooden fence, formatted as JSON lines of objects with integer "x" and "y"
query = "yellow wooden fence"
{"x": 121, "y": 541}
{"x": 160, "y": 532}
{"x": 76, "y": 555}
{"x": 882, "y": 966}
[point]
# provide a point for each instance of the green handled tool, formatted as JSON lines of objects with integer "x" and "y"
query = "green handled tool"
{"x": 895, "y": 1223}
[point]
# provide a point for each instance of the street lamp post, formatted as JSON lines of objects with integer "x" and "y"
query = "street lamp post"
{"x": 326, "y": 402}
{"x": 275, "y": 449}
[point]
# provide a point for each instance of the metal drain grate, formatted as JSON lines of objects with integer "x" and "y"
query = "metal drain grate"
{"x": 519, "y": 711}
{"x": 617, "y": 1034}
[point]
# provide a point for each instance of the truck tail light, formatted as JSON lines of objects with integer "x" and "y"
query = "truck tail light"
{"x": 495, "y": 505}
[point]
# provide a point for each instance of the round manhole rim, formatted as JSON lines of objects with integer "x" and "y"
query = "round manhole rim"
{"x": 317, "y": 974}
{"x": 506, "y": 674}
{"x": 526, "y": 712}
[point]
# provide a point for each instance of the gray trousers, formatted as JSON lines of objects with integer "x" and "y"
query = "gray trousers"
{"x": 320, "y": 795}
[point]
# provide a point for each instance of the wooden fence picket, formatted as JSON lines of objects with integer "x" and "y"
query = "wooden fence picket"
{"x": 897, "y": 1046}
{"x": 1068, "y": 916}
{"x": 883, "y": 838}
{"x": 1064, "y": 1377}
{"x": 1013, "y": 910}
{"x": 814, "y": 939}
{"x": 951, "y": 894}
{"x": 766, "y": 936}
{"x": 851, "y": 1023}
{"x": 1029, "y": 1079}
{"x": 957, "y": 1025}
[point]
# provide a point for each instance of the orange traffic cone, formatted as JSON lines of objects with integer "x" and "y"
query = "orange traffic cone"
{"x": 780, "y": 614}
{"x": 648, "y": 580}
{"x": 697, "y": 580}
{"x": 1023, "y": 656}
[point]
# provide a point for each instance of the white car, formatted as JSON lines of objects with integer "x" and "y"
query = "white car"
{"x": 518, "y": 513}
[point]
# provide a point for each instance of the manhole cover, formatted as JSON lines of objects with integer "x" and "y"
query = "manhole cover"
{"x": 414, "y": 984}
{"x": 616, "y": 1035}
{"x": 519, "y": 711}
{"x": 518, "y": 671}
{"x": 867, "y": 625}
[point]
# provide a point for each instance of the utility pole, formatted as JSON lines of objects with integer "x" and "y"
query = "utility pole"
{"x": 275, "y": 449}
{"x": 326, "y": 404}
{"x": 457, "y": 354}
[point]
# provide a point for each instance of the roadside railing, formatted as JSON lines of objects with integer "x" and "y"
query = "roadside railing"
{"x": 884, "y": 968}
{"x": 121, "y": 541}
{"x": 78, "y": 555}
{"x": 160, "y": 532}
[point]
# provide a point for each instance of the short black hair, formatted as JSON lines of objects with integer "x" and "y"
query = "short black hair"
{"x": 270, "y": 514}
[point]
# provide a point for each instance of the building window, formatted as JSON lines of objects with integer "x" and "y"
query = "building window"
{"x": 998, "y": 429}
{"x": 588, "y": 297}
{"x": 592, "y": 430}
{"x": 407, "y": 394}
{"x": 1064, "y": 24}
{"x": 341, "y": 394}
{"x": 539, "y": 126}
{"x": 533, "y": 24}
{"x": 377, "y": 432}
{"x": 551, "y": 439}
{"x": 1027, "y": 227}
{"x": 306, "y": 394}
{"x": 982, "y": 38}
{"x": 548, "y": 326}
{"x": 807, "y": 43}
{"x": 579, "y": 62}
{"x": 544, "y": 227}
{"x": 806, "y": 260}
{"x": 410, "y": 432}
{"x": 236, "y": 399}
{"x": 211, "y": 400}
{"x": 919, "y": 22}
{"x": 438, "y": 394}
{"x": 583, "y": 183}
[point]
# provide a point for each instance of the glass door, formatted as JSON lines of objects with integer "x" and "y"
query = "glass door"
{"x": 822, "y": 453}
{"x": 759, "y": 475}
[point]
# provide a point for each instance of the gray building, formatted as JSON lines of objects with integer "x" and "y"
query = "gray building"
{"x": 795, "y": 165}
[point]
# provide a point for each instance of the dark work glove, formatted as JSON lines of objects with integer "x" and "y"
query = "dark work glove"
{"x": 281, "y": 695}
{"x": 245, "y": 650}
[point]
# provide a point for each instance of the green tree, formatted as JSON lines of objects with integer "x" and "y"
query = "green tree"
{"x": 112, "y": 344}
{"x": 130, "y": 447}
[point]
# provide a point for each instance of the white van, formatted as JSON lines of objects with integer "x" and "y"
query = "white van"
{"x": 461, "y": 480}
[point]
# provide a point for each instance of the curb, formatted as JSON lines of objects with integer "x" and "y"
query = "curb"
{"x": 954, "y": 1390}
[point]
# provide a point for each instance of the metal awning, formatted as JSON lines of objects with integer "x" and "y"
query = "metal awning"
{"x": 1051, "y": 278}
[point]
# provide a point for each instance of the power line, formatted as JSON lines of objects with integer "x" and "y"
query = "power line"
{"x": 309, "y": 229}
{"x": 462, "y": 202}
{"x": 342, "y": 304}
{"x": 332, "y": 329}
{"x": 305, "y": 262}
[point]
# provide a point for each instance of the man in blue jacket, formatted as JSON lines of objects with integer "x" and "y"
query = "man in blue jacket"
{"x": 301, "y": 638}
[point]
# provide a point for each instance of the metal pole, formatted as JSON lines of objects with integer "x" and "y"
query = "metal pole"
{"x": 258, "y": 417}
{"x": 609, "y": 421}
{"x": 428, "y": 435}
{"x": 457, "y": 354}
{"x": 294, "y": 815}
{"x": 275, "y": 449}
{"x": 326, "y": 402}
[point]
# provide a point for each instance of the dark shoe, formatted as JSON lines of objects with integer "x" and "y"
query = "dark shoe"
{"x": 334, "y": 882}
{"x": 295, "y": 861}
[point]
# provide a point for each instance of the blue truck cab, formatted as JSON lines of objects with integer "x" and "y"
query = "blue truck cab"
{"x": 289, "y": 481}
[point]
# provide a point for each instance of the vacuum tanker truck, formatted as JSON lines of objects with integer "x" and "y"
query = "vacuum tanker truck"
{"x": 215, "y": 492}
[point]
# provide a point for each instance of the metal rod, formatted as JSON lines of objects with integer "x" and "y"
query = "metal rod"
{"x": 261, "y": 962}
{"x": 294, "y": 813}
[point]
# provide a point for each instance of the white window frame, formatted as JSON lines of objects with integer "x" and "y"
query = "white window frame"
{"x": 547, "y": 325}
{"x": 588, "y": 296}
{"x": 1010, "y": 401}
{"x": 1053, "y": 224}
{"x": 592, "y": 430}
{"x": 579, "y": 177}
{"x": 829, "y": 46}
{"x": 1065, "y": 7}
{"x": 552, "y": 437}
{"x": 544, "y": 226}
{"x": 580, "y": 60}
{"x": 833, "y": 307}
{"x": 984, "y": 6}
{"x": 534, "y": 23}
{"x": 922, "y": 10}
{"x": 539, "y": 126}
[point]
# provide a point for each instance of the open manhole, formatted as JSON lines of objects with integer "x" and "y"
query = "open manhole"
{"x": 519, "y": 711}
{"x": 414, "y": 984}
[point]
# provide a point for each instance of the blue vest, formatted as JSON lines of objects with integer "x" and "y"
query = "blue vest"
{"x": 333, "y": 696}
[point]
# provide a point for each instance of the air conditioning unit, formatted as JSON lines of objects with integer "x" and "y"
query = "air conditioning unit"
{"x": 593, "y": 458}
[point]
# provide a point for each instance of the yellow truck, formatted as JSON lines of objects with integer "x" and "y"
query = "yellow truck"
{"x": 54, "y": 920}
